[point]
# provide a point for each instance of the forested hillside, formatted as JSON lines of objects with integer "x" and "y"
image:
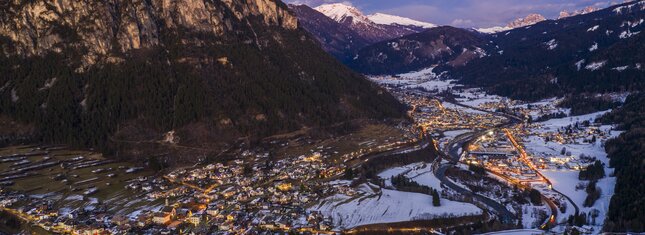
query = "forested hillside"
{"x": 626, "y": 212}
{"x": 453, "y": 47}
{"x": 596, "y": 52}
{"x": 254, "y": 74}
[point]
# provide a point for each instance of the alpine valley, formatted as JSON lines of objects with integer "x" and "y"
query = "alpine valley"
{"x": 352, "y": 117}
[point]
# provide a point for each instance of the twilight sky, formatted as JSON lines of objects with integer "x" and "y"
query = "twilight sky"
{"x": 465, "y": 13}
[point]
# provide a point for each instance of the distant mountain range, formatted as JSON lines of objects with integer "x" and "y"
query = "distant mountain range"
{"x": 532, "y": 19}
{"x": 373, "y": 28}
{"x": 343, "y": 30}
{"x": 441, "y": 45}
{"x": 530, "y": 58}
{"x": 602, "y": 51}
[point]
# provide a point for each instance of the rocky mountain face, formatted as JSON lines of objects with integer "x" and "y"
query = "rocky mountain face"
{"x": 586, "y": 10}
{"x": 37, "y": 27}
{"x": 441, "y": 45}
{"x": 518, "y": 23}
{"x": 119, "y": 75}
{"x": 600, "y": 51}
{"x": 335, "y": 38}
{"x": 526, "y": 21}
{"x": 354, "y": 19}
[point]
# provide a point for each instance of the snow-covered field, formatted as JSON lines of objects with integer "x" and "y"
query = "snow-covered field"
{"x": 536, "y": 145}
{"x": 425, "y": 79}
{"x": 477, "y": 97}
{"x": 373, "y": 205}
{"x": 388, "y": 207}
{"x": 461, "y": 108}
{"x": 566, "y": 180}
{"x": 419, "y": 172}
{"x": 517, "y": 232}
{"x": 544, "y": 107}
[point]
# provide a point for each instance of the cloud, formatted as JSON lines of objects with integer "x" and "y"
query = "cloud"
{"x": 461, "y": 22}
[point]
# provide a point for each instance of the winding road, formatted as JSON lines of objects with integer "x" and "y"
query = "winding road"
{"x": 500, "y": 210}
{"x": 453, "y": 151}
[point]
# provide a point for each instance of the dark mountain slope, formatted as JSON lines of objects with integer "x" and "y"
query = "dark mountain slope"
{"x": 121, "y": 74}
{"x": 335, "y": 38}
{"x": 596, "y": 52}
{"x": 441, "y": 45}
{"x": 626, "y": 212}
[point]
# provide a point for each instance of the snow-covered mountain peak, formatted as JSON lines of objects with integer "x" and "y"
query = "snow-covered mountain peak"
{"x": 341, "y": 12}
{"x": 381, "y": 18}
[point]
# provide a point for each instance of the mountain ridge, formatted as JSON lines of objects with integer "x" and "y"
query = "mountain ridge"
{"x": 119, "y": 75}
{"x": 440, "y": 45}
{"x": 354, "y": 19}
{"x": 570, "y": 55}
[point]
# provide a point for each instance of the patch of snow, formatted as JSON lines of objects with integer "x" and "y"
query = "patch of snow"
{"x": 424, "y": 73}
{"x": 394, "y": 45}
{"x": 495, "y": 29}
{"x": 551, "y": 44}
{"x": 516, "y": 232}
{"x": 596, "y": 65}
{"x": 480, "y": 52}
{"x": 48, "y": 84}
{"x": 628, "y": 8}
{"x": 593, "y": 28}
{"x": 579, "y": 64}
{"x": 627, "y": 34}
{"x": 14, "y": 95}
{"x": 621, "y": 68}
{"x": 74, "y": 198}
{"x": 386, "y": 19}
{"x": 593, "y": 47}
